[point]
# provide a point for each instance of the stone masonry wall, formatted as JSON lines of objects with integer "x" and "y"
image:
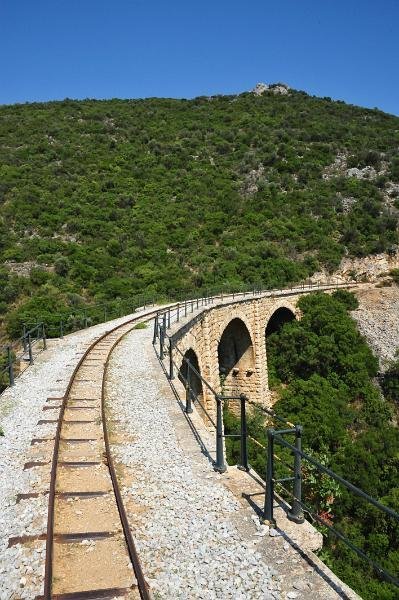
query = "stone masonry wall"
{"x": 204, "y": 331}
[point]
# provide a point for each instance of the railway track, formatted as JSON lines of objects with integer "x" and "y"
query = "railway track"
{"x": 90, "y": 551}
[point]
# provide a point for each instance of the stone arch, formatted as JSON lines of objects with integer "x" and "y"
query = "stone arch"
{"x": 236, "y": 359}
{"x": 195, "y": 380}
{"x": 281, "y": 315}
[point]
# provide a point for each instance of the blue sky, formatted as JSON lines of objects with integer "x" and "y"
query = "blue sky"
{"x": 53, "y": 49}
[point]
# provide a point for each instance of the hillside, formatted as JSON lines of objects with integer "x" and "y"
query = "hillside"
{"x": 105, "y": 199}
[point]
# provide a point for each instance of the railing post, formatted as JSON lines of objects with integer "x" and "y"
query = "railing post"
{"x": 185, "y": 308}
{"x": 24, "y": 337}
{"x": 30, "y": 350}
{"x": 155, "y": 335}
{"x": 10, "y": 366}
{"x": 164, "y": 324}
{"x": 296, "y": 512}
{"x": 44, "y": 337}
{"x": 192, "y": 306}
{"x": 197, "y": 302}
{"x": 161, "y": 342}
{"x": 189, "y": 408}
{"x": 169, "y": 318}
{"x": 220, "y": 465}
{"x": 243, "y": 466}
{"x": 178, "y": 313}
{"x": 269, "y": 493}
{"x": 171, "y": 374}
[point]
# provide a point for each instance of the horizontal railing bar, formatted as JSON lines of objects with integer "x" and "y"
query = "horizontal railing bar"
{"x": 344, "y": 539}
{"x": 344, "y": 482}
{"x": 285, "y": 431}
{"x": 192, "y": 368}
{"x": 195, "y": 396}
{"x": 271, "y": 413}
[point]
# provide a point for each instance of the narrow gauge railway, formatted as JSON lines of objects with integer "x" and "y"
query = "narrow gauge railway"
{"x": 90, "y": 551}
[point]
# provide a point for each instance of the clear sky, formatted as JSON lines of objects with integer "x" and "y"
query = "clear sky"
{"x": 53, "y": 49}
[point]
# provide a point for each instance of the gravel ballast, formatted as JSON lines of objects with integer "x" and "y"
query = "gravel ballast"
{"x": 21, "y": 407}
{"x": 185, "y": 532}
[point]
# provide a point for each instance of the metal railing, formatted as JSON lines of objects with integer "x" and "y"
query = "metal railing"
{"x": 81, "y": 317}
{"x": 296, "y": 495}
{"x": 22, "y": 352}
{"x": 275, "y": 437}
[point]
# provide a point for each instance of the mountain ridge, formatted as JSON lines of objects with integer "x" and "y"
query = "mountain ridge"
{"x": 112, "y": 197}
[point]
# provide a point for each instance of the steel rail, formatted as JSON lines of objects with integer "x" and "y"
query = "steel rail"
{"x": 134, "y": 557}
{"x": 48, "y": 575}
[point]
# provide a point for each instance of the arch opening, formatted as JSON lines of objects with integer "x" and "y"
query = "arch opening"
{"x": 278, "y": 319}
{"x": 195, "y": 381}
{"x": 236, "y": 358}
{"x": 281, "y": 316}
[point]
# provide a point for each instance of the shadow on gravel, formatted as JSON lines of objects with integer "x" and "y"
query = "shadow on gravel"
{"x": 194, "y": 430}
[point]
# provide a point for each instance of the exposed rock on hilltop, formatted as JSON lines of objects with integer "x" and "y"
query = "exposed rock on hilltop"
{"x": 273, "y": 88}
{"x": 260, "y": 89}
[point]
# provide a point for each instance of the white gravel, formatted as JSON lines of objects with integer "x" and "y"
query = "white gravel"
{"x": 22, "y": 566}
{"x": 186, "y": 537}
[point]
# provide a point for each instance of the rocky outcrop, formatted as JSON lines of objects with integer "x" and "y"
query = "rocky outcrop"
{"x": 272, "y": 88}
{"x": 378, "y": 320}
{"x": 369, "y": 268}
{"x": 23, "y": 269}
{"x": 250, "y": 184}
{"x": 260, "y": 89}
{"x": 365, "y": 173}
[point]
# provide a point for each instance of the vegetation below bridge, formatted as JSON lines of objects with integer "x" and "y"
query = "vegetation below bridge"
{"x": 323, "y": 372}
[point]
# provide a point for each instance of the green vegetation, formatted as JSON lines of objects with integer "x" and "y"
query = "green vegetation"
{"x": 394, "y": 273}
{"x": 141, "y": 325}
{"x": 390, "y": 381}
{"x": 323, "y": 370}
{"x": 109, "y": 199}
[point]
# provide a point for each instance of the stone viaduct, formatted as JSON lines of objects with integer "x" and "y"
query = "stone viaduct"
{"x": 227, "y": 343}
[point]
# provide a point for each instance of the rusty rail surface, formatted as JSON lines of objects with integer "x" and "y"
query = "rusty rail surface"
{"x": 48, "y": 578}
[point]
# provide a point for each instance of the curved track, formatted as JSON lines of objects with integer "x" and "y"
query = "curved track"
{"x": 90, "y": 551}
